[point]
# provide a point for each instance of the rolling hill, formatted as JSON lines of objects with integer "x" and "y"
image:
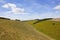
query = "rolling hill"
{"x": 17, "y": 30}
{"x": 49, "y": 27}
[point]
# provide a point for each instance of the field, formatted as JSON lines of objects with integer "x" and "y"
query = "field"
{"x": 50, "y": 28}
{"x": 17, "y": 30}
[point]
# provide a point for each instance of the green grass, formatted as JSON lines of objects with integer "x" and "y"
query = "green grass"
{"x": 50, "y": 28}
{"x": 17, "y": 30}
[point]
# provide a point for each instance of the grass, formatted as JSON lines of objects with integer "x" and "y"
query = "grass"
{"x": 50, "y": 28}
{"x": 17, "y": 30}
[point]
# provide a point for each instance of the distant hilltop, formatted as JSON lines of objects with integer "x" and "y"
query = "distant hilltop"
{"x": 45, "y": 19}
{"x": 8, "y": 18}
{"x": 4, "y": 18}
{"x": 56, "y": 19}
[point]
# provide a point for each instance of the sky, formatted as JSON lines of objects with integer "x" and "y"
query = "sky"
{"x": 29, "y": 9}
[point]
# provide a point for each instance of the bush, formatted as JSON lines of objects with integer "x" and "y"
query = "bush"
{"x": 38, "y": 20}
{"x": 17, "y": 20}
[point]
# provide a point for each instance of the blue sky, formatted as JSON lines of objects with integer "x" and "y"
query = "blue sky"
{"x": 30, "y": 9}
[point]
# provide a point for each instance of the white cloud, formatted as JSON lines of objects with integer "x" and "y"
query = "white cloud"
{"x": 5, "y": 6}
{"x": 57, "y": 7}
{"x": 17, "y": 10}
{"x": 9, "y": 5}
{"x": 14, "y": 8}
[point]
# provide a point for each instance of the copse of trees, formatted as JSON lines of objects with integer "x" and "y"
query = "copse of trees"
{"x": 17, "y": 20}
{"x": 4, "y": 18}
{"x": 38, "y": 20}
{"x": 46, "y": 19}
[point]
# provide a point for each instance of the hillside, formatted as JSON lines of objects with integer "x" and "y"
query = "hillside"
{"x": 49, "y": 27}
{"x": 56, "y": 19}
{"x": 17, "y": 30}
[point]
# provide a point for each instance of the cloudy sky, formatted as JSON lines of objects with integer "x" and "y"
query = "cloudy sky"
{"x": 30, "y": 9}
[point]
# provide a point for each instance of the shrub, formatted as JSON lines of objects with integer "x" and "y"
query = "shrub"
{"x": 38, "y": 20}
{"x": 17, "y": 20}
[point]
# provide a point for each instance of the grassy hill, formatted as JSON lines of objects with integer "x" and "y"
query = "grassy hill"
{"x": 49, "y": 27}
{"x": 17, "y": 30}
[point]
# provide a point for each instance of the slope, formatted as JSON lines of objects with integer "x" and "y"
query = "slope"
{"x": 49, "y": 27}
{"x": 17, "y": 30}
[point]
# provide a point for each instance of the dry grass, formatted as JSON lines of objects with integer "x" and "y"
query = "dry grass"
{"x": 50, "y": 28}
{"x": 16, "y": 30}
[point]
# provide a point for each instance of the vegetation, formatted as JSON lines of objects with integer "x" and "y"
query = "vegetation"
{"x": 51, "y": 28}
{"x": 42, "y": 20}
{"x": 17, "y": 20}
{"x": 4, "y": 18}
{"x": 17, "y": 30}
